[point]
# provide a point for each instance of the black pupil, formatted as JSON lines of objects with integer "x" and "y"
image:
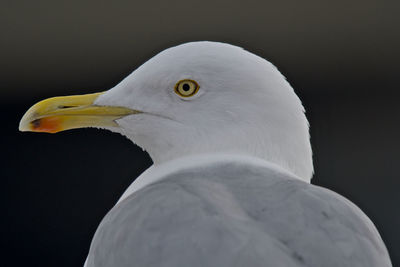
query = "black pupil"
{"x": 185, "y": 87}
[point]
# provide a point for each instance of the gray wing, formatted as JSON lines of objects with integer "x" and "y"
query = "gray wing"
{"x": 228, "y": 215}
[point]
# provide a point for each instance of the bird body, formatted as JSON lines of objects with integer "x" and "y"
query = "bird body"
{"x": 230, "y": 184}
{"x": 227, "y": 210}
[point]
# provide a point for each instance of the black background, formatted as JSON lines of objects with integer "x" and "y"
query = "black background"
{"x": 340, "y": 56}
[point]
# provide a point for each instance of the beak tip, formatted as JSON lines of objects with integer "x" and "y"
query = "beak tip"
{"x": 24, "y": 123}
{"x": 23, "y": 126}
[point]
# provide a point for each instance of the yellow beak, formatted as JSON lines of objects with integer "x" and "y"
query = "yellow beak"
{"x": 57, "y": 114}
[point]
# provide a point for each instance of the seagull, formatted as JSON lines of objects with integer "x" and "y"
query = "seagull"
{"x": 232, "y": 165}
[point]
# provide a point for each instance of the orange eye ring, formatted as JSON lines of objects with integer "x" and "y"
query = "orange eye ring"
{"x": 186, "y": 88}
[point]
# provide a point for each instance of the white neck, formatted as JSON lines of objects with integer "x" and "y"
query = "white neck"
{"x": 158, "y": 172}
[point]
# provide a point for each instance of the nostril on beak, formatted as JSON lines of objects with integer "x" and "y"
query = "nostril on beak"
{"x": 64, "y": 107}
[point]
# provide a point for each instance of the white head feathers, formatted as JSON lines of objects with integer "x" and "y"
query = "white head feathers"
{"x": 244, "y": 106}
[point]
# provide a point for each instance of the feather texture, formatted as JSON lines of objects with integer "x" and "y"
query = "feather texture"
{"x": 235, "y": 213}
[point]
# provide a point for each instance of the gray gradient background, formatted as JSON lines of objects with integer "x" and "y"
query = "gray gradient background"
{"x": 340, "y": 56}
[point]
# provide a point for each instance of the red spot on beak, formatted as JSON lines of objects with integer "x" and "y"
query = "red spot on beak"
{"x": 47, "y": 125}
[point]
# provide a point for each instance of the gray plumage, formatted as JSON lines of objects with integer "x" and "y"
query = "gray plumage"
{"x": 233, "y": 214}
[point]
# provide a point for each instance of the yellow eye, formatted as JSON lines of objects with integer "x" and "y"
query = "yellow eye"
{"x": 186, "y": 88}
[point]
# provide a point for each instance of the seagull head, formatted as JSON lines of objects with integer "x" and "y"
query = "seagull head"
{"x": 195, "y": 98}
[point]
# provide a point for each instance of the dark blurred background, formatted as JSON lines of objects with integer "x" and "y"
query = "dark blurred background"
{"x": 342, "y": 58}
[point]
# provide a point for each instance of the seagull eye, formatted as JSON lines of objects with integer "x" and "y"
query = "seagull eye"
{"x": 186, "y": 88}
